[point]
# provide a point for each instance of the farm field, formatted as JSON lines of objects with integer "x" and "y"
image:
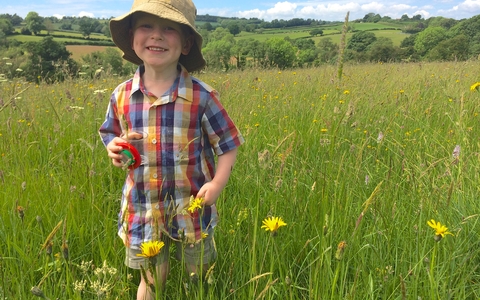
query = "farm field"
{"x": 80, "y": 50}
{"x": 355, "y": 168}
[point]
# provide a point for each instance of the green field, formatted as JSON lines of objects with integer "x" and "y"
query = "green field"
{"x": 356, "y": 168}
{"x": 333, "y": 32}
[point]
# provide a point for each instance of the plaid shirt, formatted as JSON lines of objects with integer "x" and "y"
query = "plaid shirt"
{"x": 182, "y": 130}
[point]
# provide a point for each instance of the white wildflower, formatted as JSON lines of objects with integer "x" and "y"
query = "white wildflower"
{"x": 380, "y": 137}
{"x": 456, "y": 152}
{"x": 100, "y": 91}
{"x": 79, "y": 285}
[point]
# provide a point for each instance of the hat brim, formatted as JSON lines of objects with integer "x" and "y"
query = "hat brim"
{"x": 120, "y": 28}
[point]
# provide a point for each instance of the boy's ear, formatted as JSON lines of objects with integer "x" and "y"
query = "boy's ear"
{"x": 188, "y": 45}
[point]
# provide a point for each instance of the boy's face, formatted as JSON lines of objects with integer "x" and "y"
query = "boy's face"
{"x": 159, "y": 42}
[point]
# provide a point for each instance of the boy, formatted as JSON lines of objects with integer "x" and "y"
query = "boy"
{"x": 177, "y": 123}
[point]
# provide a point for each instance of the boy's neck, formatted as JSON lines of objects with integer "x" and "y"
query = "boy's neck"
{"x": 158, "y": 82}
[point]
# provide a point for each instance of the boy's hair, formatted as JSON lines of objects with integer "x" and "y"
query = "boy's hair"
{"x": 182, "y": 12}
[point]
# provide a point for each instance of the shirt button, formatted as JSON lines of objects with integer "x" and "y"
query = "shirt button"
{"x": 154, "y": 141}
{"x": 155, "y": 176}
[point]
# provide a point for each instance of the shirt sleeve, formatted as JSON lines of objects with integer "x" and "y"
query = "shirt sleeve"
{"x": 222, "y": 133}
{"x": 111, "y": 126}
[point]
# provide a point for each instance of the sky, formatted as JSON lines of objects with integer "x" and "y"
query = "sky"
{"x": 326, "y": 10}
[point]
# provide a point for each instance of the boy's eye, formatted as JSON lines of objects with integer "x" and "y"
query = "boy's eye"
{"x": 168, "y": 28}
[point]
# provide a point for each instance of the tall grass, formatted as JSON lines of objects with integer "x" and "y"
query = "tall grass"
{"x": 366, "y": 162}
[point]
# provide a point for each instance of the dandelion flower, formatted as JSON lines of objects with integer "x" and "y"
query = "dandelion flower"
{"x": 273, "y": 223}
{"x": 151, "y": 249}
{"x": 340, "y": 250}
{"x": 195, "y": 204}
{"x": 440, "y": 230}
{"x": 475, "y": 86}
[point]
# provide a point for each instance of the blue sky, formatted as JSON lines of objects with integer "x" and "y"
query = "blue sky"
{"x": 329, "y": 10}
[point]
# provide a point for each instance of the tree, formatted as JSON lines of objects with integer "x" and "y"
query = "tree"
{"x": 49, "y": 61}
{"x": 34, "y": 22}
{"x": 368, "y": 17}
{"x": 15, "y": 20}
{"x": 280, "y": 53}
{"x": 110, "y": 59}
{"x": 469, "y": 27}
{"x": 455, "y": 48}
{"x": 87, "y": 26}
{"x": 49, "y": 26}
{"x": 256, "y": 50}
{"x": 233, "y": 28}
{"x": 417, "y": 17}
{"x": 316, "y": 31}
{"x": 382, "y": 50}
{"x": 218, "y": 53}
{"x": 220, "y": 33}
{"x": 446, "y": 23}
{"x": 428, "y": 39}
{"x": 6, "y": 26}
{"x": 240, "y": 51}
{"x": 361, "y": 40}
{"x": 207, "y": 26}
{"x": 327, "y": 50}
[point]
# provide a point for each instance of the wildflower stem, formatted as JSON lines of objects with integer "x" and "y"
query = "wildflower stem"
{"x": 335, "y": 278}
{"x": 433, "y": 285}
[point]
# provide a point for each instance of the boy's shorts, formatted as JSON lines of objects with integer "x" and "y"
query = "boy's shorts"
{"x": 192, "y": 254}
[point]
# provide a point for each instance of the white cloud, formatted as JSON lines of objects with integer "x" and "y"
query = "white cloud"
{"x": 468, "y": 5}
{"x": 86, "y": 14}
{"x": 425, "y": 14}
{"x": 58, "y": 16}
{"x": 282, "y": 9}
{"x": 373, "y": 7}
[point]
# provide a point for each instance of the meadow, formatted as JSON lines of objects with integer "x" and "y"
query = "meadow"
{"x": 355, "y": 168}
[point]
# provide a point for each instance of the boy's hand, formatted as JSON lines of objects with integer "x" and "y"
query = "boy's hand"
{"x": 113, "y": 149}
{"x": 210, "y": 192}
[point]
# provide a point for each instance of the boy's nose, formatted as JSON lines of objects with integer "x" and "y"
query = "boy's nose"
{"x": 157, "y": 34}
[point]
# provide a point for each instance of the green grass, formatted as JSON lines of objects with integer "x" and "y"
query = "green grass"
{"x": 312, "y": 157}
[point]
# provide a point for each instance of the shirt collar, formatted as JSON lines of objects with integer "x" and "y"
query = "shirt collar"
{"x": 183, "y": 86}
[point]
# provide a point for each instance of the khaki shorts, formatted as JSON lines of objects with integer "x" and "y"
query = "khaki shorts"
{"x": 192, "y": 254}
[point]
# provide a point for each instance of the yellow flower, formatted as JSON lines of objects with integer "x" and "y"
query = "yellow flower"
{"x": 475, "y": 86}
{"x": 273, "y": 223}
{"x": 150, "y": 249}
{"x": 340, "y": 250}
{"x": 195, "y": 204}
{"x": 346, "y": 92}
{"x": 440, "y": 230}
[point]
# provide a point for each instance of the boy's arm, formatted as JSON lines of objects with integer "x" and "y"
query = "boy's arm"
{"x": 210, "y": 191}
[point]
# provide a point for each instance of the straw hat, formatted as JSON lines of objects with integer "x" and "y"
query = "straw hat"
{"x": 180, "y": 11}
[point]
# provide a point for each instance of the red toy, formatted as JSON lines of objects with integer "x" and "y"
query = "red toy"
{"x": 131, "y": 157}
